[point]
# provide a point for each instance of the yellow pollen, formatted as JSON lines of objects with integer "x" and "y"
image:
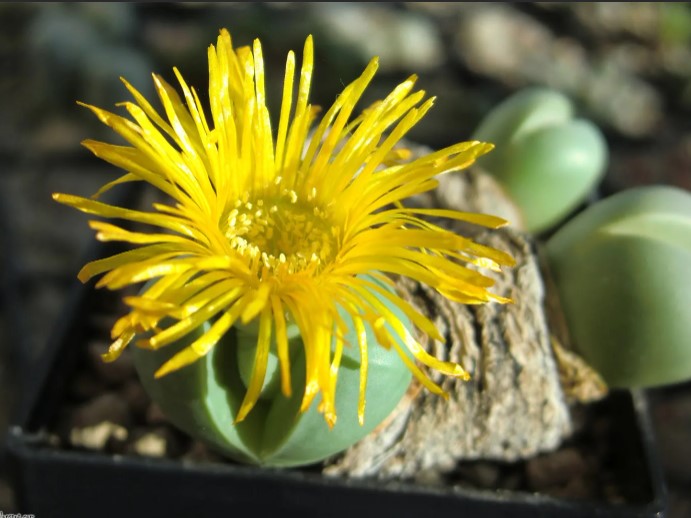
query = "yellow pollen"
{"x": 290, "y": 237}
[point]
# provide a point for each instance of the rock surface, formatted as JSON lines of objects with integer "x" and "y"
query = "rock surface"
{"x": 514, "y": 405}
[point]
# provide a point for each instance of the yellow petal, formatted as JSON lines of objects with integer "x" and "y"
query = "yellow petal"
{"x": 260, "y": 361}
{"x": 202, "y": 345}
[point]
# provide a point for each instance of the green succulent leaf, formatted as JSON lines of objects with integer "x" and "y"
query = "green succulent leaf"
{"x": 204, "y": 398}
{"x": 547, "y": 160}
{"x": 620, "y": 268}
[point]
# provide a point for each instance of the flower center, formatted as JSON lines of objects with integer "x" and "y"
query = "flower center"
{"x": 284, "y": 233}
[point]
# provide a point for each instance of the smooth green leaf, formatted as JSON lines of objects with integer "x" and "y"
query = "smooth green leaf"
{"x": 548, "y": 161}
{"x": 203, "y": 399}
{"x": 621, "y": 268}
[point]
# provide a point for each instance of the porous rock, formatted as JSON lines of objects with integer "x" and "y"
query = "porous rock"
{"x": 517, "y": 402}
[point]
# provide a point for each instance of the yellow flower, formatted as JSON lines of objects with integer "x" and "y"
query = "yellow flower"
{"x": 280, "y": 227}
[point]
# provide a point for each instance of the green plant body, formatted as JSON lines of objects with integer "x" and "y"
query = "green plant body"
{"x": 203, "y": 398}
{"x": 621, "y": 268}
{"x": 547, "y": 160}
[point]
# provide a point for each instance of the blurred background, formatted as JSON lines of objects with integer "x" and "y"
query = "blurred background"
{"x": 626, "y": 66}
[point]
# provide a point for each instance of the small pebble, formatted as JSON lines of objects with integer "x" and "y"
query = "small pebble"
{"x": 95, "y": 437}
{"x": 160, "y": 441}
{"x": 108, "y": 407}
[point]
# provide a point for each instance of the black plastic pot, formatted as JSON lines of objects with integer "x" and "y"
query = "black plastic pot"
{"x": 53, "y": 482}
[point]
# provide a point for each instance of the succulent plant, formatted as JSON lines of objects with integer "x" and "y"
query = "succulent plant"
{"x": 547, "y": 160}
{"x": 204, "y": 399}
{"x": 621, "y": 268}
